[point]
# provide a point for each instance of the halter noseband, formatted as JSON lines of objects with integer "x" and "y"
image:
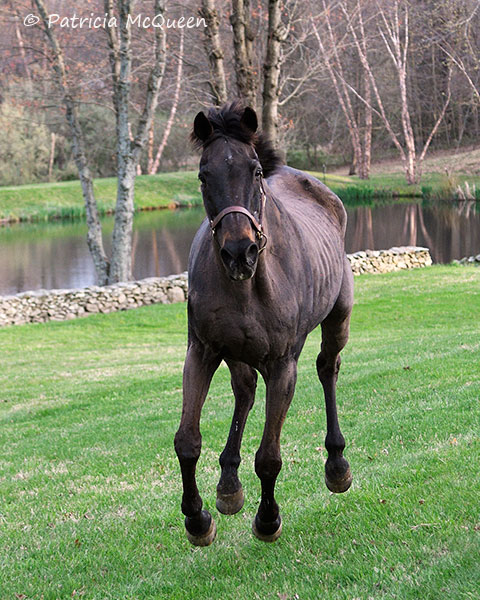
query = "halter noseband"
{"x": 256, "y": 224}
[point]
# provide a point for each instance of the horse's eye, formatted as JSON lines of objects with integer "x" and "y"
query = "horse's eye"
{"x": 258, "y": 172}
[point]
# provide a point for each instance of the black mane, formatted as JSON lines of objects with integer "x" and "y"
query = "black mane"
{"x": 226, "y": 122}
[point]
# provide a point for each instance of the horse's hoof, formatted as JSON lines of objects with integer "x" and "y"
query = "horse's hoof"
{"x": 338, "y": 482}
{"x": 229, "y": 504}
{"x": 202, "y": 539}
{"x": 267, "y": 536}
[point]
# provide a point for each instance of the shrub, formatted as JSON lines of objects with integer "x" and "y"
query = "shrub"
{"x": 24, "y": 145}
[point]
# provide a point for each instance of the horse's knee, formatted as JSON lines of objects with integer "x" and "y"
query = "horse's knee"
{"x": 245, "y": 385}
{"x": 268, "y": 463}
{"x": 328, "y": 367}
{"x": 187, "y": 446}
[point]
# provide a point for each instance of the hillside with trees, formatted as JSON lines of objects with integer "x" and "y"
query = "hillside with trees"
{"x": 335, "y": 82}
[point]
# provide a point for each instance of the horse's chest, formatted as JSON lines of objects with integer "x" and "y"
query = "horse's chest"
{"x": 248, "y": 337}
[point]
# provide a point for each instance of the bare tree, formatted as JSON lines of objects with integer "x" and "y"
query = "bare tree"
{"x": 129, "y": 152}
{"x": 94, "y": 235}
{"x": 243, "y": 38}
{"x": 153, "y": 167}
{"x": 464, "y": 55}
{"x": 332, "y": 59}
{"x": 119, "y": 267}
{"x": 271, "y": 70}
{"x": 396, "y": 43}
{"x": 213, "y": 48}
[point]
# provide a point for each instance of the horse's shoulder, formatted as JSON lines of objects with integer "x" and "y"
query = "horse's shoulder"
{"x": 303, "y": 185}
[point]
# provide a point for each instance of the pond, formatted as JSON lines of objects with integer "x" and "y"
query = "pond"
{"x": 55, "y": 255}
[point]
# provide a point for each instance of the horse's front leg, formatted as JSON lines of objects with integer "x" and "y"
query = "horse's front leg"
{"x": 229, "y": 490}
{"x": 280, "y": 381}
{"x": 200, "y": 365}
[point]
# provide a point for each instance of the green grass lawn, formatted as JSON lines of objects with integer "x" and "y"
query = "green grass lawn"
{"x": 64, "y": 199}
{"x": 90, "y": 486}
{"x": 394, "y": 185}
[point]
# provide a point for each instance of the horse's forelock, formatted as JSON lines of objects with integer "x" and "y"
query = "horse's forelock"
{"x": 226, "y": 122}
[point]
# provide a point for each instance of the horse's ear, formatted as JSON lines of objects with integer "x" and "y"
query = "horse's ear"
{"x": 202, "y": 128}
{"x": 249, "y": 119}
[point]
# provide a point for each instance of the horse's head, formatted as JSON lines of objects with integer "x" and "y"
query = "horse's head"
{"x": 232, "y": 187}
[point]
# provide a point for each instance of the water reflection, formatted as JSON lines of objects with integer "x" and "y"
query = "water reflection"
{"x": 450, "y": 231}
{"x": 34, "y": 256}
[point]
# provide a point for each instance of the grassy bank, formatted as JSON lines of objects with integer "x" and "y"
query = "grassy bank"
{"x": 392, "y": 185}
{"x": 90, "y": 486}
{"x": 64, "y": 200}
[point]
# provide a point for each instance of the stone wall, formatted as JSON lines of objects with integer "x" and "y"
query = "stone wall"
{"x": 61, "y": 305}
{"x": 384, "y": 261}
{"x": 468, "y": 260}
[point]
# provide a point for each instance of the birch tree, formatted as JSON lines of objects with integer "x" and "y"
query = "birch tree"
{"x": 129, "y": 145}
{"x": 94, "y": 234}
{"x": 271, "y": 70}
{"x": 129, "y": 152}
{"x": 360, "y": 133}
{"x": 393, "y": 28}
{"x": 154, "y": 164}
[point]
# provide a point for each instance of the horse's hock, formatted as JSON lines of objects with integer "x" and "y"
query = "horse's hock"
{"x": 60, "y": 305}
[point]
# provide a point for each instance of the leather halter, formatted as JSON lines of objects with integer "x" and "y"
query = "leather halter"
{"x": 256, "y": 224}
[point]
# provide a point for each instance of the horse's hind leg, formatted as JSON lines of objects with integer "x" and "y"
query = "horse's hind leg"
{"x": 229, "y": 489}
{"x": 200, "y": 365}
{"x": 335, "y": 328}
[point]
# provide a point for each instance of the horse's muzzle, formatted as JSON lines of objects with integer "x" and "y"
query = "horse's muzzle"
{"x": 240, "y": 258}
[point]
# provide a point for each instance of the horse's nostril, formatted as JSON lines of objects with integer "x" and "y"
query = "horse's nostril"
{"x": 226, "y": 256}
{"x": 252, "y": 253}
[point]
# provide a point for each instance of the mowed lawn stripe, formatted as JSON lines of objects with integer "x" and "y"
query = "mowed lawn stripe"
{"x": 90, "y": 487}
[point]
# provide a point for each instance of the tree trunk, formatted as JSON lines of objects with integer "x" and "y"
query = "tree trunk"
{"x": 151, "y": 141}
{"x": 128, "y": 152}
{"x": 335, "y": 71}
{"x": 367, "y": 137}
{"x": 368, "y": 114}
{"x": 120, "y": 269}
{"x": 94, "y": 234}
{"x": 21, "y": 46}
{"x": 213, "y": 48}
{"x": 242, "y": 47}
{"x": 53, "y": 138}
{"x": 173, "y": 109}
{"x": 271, "y": 70}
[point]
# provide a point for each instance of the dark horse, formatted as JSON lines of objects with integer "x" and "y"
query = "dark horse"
{"x": 266, "y": 267}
